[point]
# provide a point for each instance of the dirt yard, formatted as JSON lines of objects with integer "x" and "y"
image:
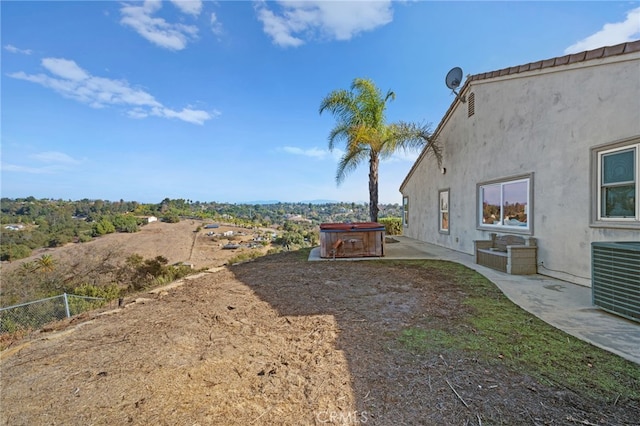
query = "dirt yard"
{"x": 276, "y": 341}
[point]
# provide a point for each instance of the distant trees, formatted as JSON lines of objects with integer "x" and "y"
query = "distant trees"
{"x": 102, "y": 227}
{"x": 171, "y": 218}
{"x": 297, "y": 235}
{"x": 119, "y": 223}
{"x": 53, "y": 223}
{"x": 13, "y": 252}
{"x": 125, "y": 223}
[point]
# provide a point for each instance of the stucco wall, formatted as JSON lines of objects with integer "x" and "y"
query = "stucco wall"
{"x": 542, "y": 122}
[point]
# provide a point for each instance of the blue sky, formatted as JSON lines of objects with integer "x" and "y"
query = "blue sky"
{"x": 218, "y": 100}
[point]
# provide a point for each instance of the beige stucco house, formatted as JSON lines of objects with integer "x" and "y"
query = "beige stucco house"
{"x": 548, "y": 150}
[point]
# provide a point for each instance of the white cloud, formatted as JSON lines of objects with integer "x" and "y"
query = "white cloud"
{"x": 314, "y": 152}
{"x": 216, "y": 26}
{"x": 54, "y": 162}
{"x": 26, "y": 169}
{"x": 65, "y": 69}
{"x": 14, "y": 49}
{"x": 187, "y": 114}
{"x": 157, "y": 30}
{"x": 71, "y": 81}
{"x": 339, "y": 20}
{"x": 190, "y": 7}
{"x": 138, "y": 113}
{"x": 611, "y": 34}
{"x": 55, "y": 157}
{"x": 278, "y": 29}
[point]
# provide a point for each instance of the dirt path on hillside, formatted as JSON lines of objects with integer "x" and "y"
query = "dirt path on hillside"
{"x": 277, "y": 341}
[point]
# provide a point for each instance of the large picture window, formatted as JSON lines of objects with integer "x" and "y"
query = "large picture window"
{"x": 618, "y": 180}
{"x": 505, "y": 204}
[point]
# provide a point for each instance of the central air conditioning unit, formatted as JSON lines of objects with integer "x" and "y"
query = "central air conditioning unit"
{"x": 615, "y": 278}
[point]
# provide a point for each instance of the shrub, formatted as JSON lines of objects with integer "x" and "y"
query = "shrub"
{"x": 109, "y": 292}
{"x": 392, "y": 225}
{"x": 244, "y": 256}
{"x": 84, "y": 238}
{"x": 171, "y": 218}
{"x": 104, "y": 226}
{"x": 59, "y": 240}
{"x": 125, "y": 223}
{"x": 11, "y": 252}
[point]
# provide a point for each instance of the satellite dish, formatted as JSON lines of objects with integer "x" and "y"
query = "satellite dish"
{"x": 453, "y": 80}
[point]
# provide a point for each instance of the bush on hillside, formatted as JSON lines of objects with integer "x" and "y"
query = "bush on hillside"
{"x": 14, "y": 252}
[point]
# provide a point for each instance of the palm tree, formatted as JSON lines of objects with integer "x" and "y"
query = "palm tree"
{"x": 360, "y": 115}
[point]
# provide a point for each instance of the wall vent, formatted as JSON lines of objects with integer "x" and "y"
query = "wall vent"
{"x": 471, "y": 104}
{"x": 615, "y": 278}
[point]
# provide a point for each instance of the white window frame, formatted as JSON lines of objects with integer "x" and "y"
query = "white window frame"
{"x": 501, "y": 227}
{"x": 405, "y": 211}
{"x": 599, "y": 186}
{"x": 443, "y": 208}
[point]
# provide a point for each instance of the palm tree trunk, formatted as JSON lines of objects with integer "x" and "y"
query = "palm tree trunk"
{"x": 374, "y": 162}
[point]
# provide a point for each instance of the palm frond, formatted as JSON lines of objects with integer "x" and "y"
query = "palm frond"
{"x": 340, "y": 103}
{"x": 410, "y": 137}
{"x": 338, "y": 133}
{"x": 350, "y": 161}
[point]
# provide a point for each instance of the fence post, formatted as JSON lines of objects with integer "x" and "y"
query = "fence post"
{"x": 66, "y": 305}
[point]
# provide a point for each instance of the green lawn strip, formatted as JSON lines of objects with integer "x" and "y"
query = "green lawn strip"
{"x": 498, "y": 331}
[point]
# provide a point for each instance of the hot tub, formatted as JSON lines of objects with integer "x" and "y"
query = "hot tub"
{"x": 358, "y": 239}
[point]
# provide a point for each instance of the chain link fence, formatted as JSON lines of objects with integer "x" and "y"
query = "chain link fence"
{"x": 34, "y": 315}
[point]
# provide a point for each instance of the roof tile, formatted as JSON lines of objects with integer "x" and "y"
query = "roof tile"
{"x": 525, "y": 67}
{"x": 577, "y": 57}
{"x": 548, "y": 63}
{"x": 614, "y": 50}
{"x": 632, "y": 46}
{"x": 536, "y": 65}
{"x": 595, "y": 53}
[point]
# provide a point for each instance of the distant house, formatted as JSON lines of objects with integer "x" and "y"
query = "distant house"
{"x": 211, "y": 226}
{"x": 227, "y": 233}
{"x": 297, "y": 218}
{"x": 548, "y": 150}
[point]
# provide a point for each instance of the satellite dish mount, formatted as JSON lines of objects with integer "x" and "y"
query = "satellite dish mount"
{"x": 453, "y": 80}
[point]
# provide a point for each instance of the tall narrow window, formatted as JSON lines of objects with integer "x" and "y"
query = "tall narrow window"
{"x": 505, "y": 204}
{"x": 405, "y": 211}
{"x": 618, "y": 178}
{"x": 443, "y": 211}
